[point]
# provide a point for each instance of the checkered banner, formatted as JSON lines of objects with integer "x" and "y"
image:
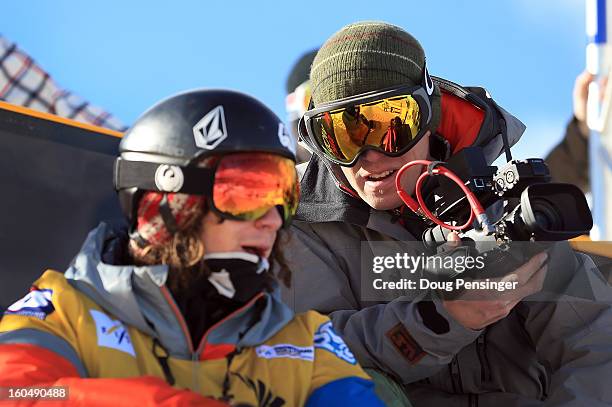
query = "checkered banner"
{"x": 24, "y": 83}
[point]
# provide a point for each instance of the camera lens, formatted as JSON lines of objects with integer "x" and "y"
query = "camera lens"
{"x": 547, "y": 216}
{"x": 552, "y": 212}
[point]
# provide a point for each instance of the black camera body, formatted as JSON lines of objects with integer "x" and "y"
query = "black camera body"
{"x": 529, "y": 206}
{"x": 522, "y": 206}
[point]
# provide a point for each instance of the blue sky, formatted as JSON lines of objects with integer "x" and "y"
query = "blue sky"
{"x": 126, "y": 55}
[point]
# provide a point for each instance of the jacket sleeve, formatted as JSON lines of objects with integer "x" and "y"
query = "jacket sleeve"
{"x": 410, "y": 340}
{"x": 569, "y": 160}
{"x": 337, "y": 378}
{"x": 30, "y": 365}
{"x": 40, "y": 346}
{"x": 573, "y": 339}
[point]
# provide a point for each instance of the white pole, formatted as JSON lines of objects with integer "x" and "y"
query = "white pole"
{"x": 599, "y": 116}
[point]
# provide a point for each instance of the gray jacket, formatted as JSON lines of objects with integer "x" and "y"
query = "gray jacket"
{"x": 552, "y": 353}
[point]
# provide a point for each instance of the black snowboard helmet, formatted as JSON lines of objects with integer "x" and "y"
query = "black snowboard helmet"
{"x": 160, "y": 151}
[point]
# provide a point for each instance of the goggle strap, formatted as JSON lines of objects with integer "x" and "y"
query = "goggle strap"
{"x": 143, "y": 175}
{"x": 167, "y": 216}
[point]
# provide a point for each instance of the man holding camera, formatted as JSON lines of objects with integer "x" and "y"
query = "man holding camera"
{"x": 452, "y": 352}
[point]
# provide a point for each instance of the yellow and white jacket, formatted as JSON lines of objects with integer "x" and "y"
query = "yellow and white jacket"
{"x": 119, "y": 324}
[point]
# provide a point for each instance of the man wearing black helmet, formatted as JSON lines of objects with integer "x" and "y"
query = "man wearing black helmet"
{"x": 374, "y": 109}
{"x": 182, "y": 308}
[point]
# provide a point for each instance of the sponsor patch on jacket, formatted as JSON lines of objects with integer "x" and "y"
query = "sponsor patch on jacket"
{"x": 285, "y": 350}
{"x": 112, "y": 333}
{"x": 37, "y": 303}
{"x": 405, "y": 344}
{"x": 326, "y": 338}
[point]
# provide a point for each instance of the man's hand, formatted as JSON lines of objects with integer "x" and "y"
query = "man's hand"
{"x": 476, "y": 311}
{"x": 581, "y": 91}
{"x": 580, "y": 96}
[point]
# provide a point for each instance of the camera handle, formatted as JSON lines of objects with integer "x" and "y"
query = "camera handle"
{"x": 420, "y": 208}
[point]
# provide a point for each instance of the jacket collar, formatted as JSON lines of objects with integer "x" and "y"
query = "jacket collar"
{"x": 137, "y": 296}
{"x": 325, "y": 195}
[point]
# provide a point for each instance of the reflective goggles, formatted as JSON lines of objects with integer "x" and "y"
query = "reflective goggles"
{"x": 240, "y": 186}
{"x": 390, "y": 121}
{"x": 247, "y": 185}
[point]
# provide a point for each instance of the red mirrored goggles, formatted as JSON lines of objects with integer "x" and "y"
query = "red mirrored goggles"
{"x": 240, "y": 186}
{"x": 246, "y": 186}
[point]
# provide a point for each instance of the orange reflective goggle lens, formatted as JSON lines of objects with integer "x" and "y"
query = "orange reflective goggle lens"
{"x": 390, "y": 125}
{"x": 247, "y": 185}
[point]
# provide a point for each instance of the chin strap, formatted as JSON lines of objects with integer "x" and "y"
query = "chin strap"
{"x": 167, "y": 216}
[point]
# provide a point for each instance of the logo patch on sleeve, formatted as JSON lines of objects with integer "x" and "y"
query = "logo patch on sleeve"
{"x": 112, "y": 333}
{"x": 326, "y": 338}
{"x": 285, "y": 350}
{"x": 37, "y": 303}
{"x": 405, "y": 344}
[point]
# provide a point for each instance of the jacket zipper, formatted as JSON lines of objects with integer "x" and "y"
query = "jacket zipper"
{"x": 481, "y": 350}
{"x": 455, "y": 376}
{"x": 195, "y": 353}
{"x": 178, "y": 316}
{"x": 185, "y": 329}
{"x": 194, "y": 373}
{"x": 230, "y": 316}
{"x": 202, "y": 345}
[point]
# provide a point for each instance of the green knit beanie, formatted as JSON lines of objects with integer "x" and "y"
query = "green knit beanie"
{"x": 368, "y": 56}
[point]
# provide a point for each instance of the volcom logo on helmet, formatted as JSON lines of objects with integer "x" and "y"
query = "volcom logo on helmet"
{"x": 285, "y": 138}
{"x": 210, "y": 130}
{"x": 169, "y": 178}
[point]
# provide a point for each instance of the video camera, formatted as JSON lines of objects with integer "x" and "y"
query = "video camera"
{"x": 533, "y": 208}
{"x": 523, "y": 205}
